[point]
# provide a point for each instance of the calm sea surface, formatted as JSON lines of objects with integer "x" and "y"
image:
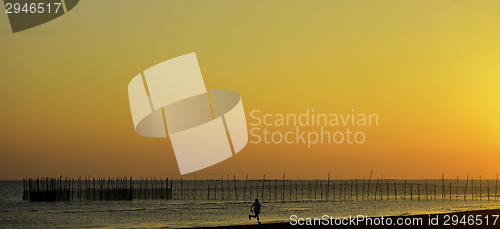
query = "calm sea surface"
{"x": 305, "y": 201}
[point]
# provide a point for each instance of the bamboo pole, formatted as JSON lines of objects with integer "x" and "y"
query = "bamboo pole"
{"x": 257, "y": 188}
{"x": 381, "y": 186}
{"x": 263, "y": 180}
{"x": 369, "y": 181}
{"x": 302, "y": 193}
{"x": 488, "y": 188}
{"x": 352, "y": 181}
{"x": 465, "y": 190}
{"x": 340, "y": 191}
{"x": 442, "y": 188}
{"x": 316, "y": 189}
{"x": 357, "y": 187}
{"x": 101, "y": 183}
{"x": 345, "y": 190}
{"x": 276, "y": 189}
{"x": 235, "y": 189}
{"x": 480, "y": 188}
{"x": 363, "y": 193}
{"x": 93, "y": 184}
{"x": 395, "y": 191}
{"x": 79, "y": 191}
{"x": 496, "y": 188}
{"x": 284, "y": 182}
{"x": 269, "y": 189}
{"x": 411, "y": 191}
{"x": 140, "y": 187}
{"x": 162, "y": 193}
{"x": 168, "y": 190}
{"x": 228, "y": 188}
{"x": 309, "y": 193}
{"x": 426, "y": 192}
{"x": 387, "y": 190}
{"x": 296, "y": 192}
{"x": 450, "y": 192}
{"x": 418, "y": 188}
{"x": 245, "y": 188}
{"x": 86, "y": 187}
{"x": 131, "y": 188}
{"x": 321, "y": 191}
{"x": 404, "y": 196}
{"x": 328, "y": 188}
{"x": 472, "y": 186}
{"x": 24, "y": 189}
{"x": 333, "y": 187}
{"x": 435, "y": 193}
{"x": 172, "y": 188}
{"x": 89, "y": 189}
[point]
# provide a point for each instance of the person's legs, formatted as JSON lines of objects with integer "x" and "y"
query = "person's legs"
{"x": 255, "y": 216}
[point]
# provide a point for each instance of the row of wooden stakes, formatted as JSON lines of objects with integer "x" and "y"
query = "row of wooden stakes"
{"x": 126, "y": 188}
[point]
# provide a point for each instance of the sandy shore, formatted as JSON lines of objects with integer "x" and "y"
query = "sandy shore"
{"x": 468, "y": 216}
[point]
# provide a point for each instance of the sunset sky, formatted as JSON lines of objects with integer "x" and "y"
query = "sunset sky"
{"x": 429, "y": 69}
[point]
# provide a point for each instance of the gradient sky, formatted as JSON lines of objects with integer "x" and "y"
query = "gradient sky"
{"x": 430, "y": 69}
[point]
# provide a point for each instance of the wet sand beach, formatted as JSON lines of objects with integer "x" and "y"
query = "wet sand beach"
{"x": 441, "y": 219}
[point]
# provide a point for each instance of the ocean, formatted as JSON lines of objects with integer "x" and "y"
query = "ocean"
{"x": 191, "y": 208}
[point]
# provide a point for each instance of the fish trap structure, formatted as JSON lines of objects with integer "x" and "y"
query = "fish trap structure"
{"x": 231, "y": 189}
{"x": 92, "y": 189}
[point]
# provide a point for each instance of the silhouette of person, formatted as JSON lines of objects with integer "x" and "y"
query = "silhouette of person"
{"x": 255, "y": 208}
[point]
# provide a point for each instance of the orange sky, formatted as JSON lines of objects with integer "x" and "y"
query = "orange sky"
{"x": 430, "y": 70}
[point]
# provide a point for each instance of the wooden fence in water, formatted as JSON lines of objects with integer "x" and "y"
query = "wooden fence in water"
{"x": 232, "y": 189}
{"x": 92, "y": 189}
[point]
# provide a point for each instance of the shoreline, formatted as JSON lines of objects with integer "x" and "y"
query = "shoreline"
{"x": 440, "y": 217}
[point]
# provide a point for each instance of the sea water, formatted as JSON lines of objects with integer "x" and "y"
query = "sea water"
{"x": 191, "y": 208}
